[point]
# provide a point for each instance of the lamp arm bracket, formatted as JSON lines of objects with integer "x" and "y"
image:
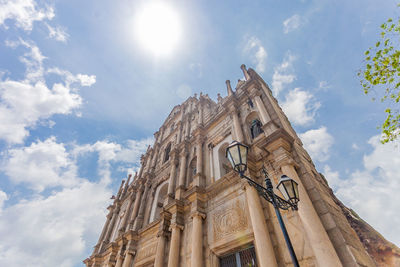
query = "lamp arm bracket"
{"x": 268, "y": 194}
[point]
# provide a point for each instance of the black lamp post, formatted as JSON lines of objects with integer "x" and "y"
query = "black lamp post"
{"x": 237, "y": 155}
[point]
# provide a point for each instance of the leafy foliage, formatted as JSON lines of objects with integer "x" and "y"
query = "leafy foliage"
{"x": 382, "y": 70}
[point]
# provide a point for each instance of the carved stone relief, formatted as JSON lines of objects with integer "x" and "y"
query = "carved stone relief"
{"x": 146, "y": 252}
{"x": 229, "y": 219}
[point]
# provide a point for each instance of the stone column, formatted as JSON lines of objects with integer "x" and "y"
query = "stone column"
{"x": 111, "y": 226}
{"x": 200, "y": 121}
{"x": 197, "y": 240}
{"x": 125, "y": 220}
{"x": 141, "y": 166}
{"x": 173, "y": 258}
{"x": 182, "y": 170}
{"x": 245, "y": 73}
{"x": 199, "y": 155}
{"x": 228, "y": 87}
{"x": 159, "y": 261}
{"x": 172, "y": 177}
{"x": 211, "y": 163}
{"x": 178, "y": 138}
{"x": 155, "y": 156}
{"x": 236, "y": 125}
{"x": 182, "y": 175}
{"x": 128, "y": 258}
{"x": 187, "y": 130}
{"x": 119, "y": 260}
{"x": 135, "y": 208}
{"x": 264, "y": 249}
{"x": 324, "y": 251}
{"x": 139, "y": 219}
{"x": 264, "y": 116}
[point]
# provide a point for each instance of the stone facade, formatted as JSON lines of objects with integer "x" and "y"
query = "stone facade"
{"x": 187, "y": 207}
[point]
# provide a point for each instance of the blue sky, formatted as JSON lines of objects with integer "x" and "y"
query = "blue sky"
{"x": 81, "y": 97}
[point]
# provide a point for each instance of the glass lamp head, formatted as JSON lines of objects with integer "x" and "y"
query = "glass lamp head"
{"x": 237, "y": 155}
{"x": 289, "y": 189}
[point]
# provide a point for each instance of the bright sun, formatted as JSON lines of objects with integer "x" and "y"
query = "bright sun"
{"x": 158, "y": 28}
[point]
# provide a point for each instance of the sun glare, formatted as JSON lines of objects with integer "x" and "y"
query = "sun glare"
{"x": 158, "y": 28}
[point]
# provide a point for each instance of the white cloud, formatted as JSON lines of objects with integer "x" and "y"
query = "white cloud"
{"x": 24, "y": 12}
{"x": 373, "y": 192}
{"x": 26, "y": 102}
{"x": 317, "y": 142}
{"x": 283, "y": 74}
{"x": 54, "y": 230}
{"x": 3, "y": 198}
{"x": 292, "y": 23}
{"x": 113, "y": 152}
{"x": 300, "y": 107}
{"x": 36, "y": 229}
{"x": 332, "y": 177}
{"x": 41, "y": 165}
{"x": 69, "y": 78}
{"x": 257, "y": 53}
{"x": 57, "y": 33}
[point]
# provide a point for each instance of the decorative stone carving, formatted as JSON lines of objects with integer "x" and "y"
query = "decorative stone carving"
{"x": 146, "y": 252}
{"x": 229, "y": 219}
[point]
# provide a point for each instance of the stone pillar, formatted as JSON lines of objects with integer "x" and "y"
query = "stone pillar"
{"x": 187, "y": 130}
{"x": 236, "y": 125}
{"x": 111, "y": 226}
{"x": 135, "y": 208}
{"x": 182, "y": 170}
{"x": 141, "y": 166}
{"x": 139, "y": 219}
{"x": 199, "y": 155}
{"x": 212, "y": 162}
{"x": 128, "y": 259}
{"x": 155, "y": 156}
{"x": 228, "y": 87}
{"x": 125, "y": 220}
{"x": 173, "y": 258}
{"x": 262, "y": 241}
{"x": 178, "y": 139}
{"x": 120, "y": 259}
{"x": 264, "y": 116}
{"x": 197, "y": 240}
{"x": 159, "y": 261}
{"x": 245, "y": 73}
{"x": 324, "y": 251}
{"x": 161, "y": 134}
{"x": 200, "y": 106}
{"x": 172, "y": 177}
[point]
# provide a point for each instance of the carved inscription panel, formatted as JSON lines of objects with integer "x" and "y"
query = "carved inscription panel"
{"x": 229, "y": 219}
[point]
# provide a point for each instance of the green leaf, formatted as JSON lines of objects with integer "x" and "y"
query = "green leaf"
{"x": 377, "y": 44}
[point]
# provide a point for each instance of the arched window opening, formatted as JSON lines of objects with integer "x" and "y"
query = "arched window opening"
{"x": 255, "y": 128}
{"x": 166, "y": 153}
{"x": 224, "y": 165}
{"x": 158, "y": 202}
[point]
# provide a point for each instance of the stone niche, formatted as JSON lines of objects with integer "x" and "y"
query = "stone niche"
{"x": 228, "y": 224}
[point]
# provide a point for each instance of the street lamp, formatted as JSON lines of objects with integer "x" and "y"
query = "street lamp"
{"x": 237, "y": 156}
